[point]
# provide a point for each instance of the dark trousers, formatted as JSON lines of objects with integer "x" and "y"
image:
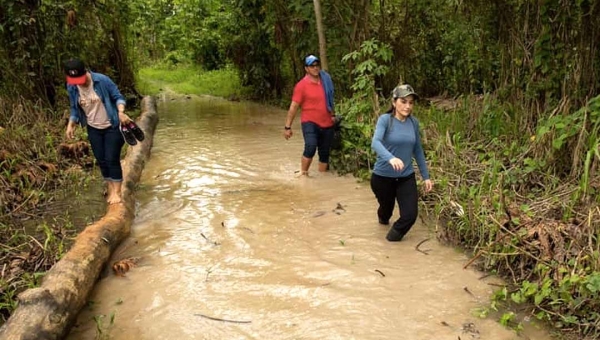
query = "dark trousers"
{"x": 388, "y": 190}
{"x": 106, "y": 146}
{"x": 316, "y": 137}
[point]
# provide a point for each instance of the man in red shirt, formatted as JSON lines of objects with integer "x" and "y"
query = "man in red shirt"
{"x": 316, "y": 118}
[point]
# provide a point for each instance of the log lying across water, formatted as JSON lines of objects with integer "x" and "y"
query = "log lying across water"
{"x": 49, "y": 311}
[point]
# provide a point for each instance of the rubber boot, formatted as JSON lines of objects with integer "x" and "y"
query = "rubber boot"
{"x": 394, "y": 235}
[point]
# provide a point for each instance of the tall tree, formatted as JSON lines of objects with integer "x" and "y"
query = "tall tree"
{"x": 321, "y": 33}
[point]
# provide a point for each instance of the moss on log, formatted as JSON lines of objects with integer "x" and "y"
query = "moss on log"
{"x": 49, "y": 311}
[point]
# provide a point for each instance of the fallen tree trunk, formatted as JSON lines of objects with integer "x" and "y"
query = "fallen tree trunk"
{"x": 49, "y": 311}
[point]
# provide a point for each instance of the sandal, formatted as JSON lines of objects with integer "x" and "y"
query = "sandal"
{"x": 128, "y": 135}
{"x": 135, "y": 129}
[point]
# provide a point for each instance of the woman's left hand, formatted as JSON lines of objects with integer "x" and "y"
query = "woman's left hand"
{"x": 123, "y": 118}
{"x": 428, "y": 185}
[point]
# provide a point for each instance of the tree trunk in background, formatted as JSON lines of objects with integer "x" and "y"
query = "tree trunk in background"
{"x": 321, "y": 33}
{"x": 284, "y": 35}
{"x": 383, "y": 23}
{"x": 48, "y": 311}
{"x": 119, "y": 58}
{"x": 365, "y": 10}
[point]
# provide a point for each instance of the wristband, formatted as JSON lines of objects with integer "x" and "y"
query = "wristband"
{"x": 287, "y": 127}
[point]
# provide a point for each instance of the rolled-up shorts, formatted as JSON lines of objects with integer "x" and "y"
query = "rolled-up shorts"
{"x": 317, "y": 139}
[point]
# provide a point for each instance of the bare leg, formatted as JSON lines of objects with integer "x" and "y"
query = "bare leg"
{"x": 305, "y": 165}
{"x": 114, "y": 193}
{"x": 323, "y": 167}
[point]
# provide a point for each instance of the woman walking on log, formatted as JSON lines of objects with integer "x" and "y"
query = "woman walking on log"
{"x": 95, "y": 102}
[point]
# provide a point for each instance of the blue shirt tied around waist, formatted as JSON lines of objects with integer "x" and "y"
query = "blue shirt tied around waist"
{"x": 107, "y": 91}
{"x": 401, "y": 140}
{"x": 328, "y": 87}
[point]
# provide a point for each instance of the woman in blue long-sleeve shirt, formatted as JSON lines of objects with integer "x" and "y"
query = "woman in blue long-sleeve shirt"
{"x": 396, "y": 141}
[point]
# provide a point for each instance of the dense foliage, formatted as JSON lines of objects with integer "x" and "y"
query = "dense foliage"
{"x": 37, "y": 37}
{"x": 510, "y": 127}
{"x": 35, "y": 165}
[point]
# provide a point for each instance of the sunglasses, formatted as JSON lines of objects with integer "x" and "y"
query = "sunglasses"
{"x": 314, "y": 65}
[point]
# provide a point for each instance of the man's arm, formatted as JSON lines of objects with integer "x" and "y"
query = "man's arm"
{"x": 290, "y": 119}
{"x": 291, "y": 113}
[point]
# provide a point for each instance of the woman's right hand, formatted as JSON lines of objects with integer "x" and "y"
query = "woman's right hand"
{"x": 397, "y": 164}
{"x": 70, "y": 130}
{"x": 123, "y": 118}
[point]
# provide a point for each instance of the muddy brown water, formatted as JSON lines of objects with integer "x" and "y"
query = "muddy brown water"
{"x": 233, "y": 246}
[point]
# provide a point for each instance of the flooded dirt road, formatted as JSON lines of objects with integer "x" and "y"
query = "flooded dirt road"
{"x": 231, "y": 245}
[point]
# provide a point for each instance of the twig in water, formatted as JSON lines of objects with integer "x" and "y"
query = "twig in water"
{"x": 208, "y": 271}
{"x": 426, "y": 252}
{"x": 209, "y": 241}
{"x": 486, "y": 275}
{"x": 468, "y": 291}
{"x": 380, "y": 272}
{"x": 219, "y": 319}
{"x": 479, "y": 253}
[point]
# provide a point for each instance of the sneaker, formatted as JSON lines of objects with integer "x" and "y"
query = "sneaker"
{"x": 137, "y": 132}
{"x": 128, "y": 135}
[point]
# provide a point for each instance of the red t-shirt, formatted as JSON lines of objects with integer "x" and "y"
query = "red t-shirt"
{"x": 311, "y": 97}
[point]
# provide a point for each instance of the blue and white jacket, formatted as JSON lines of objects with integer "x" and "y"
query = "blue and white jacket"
{"x": 107, "y": 91}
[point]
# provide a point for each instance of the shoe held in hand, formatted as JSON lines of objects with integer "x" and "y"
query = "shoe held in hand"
{"x": 135, "y": 129}
{"x": 128, "y": 135}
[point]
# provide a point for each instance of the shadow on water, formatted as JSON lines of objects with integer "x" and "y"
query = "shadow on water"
{"x": 231, "y": 245}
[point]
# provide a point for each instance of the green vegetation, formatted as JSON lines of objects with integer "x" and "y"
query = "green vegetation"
{"x": 510, "y": 123}
{"x": 361, "y": 110}
{"x": 27, "y": 253}
{"x": 511, "y": 198}
{"x": 103, "y": 327}
{"x": 35, "y": 167}
{"x": 532, "y": 226}
{"x": 189, "y": 79}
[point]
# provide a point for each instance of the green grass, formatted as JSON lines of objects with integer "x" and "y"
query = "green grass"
{"x": 189, "y": 79}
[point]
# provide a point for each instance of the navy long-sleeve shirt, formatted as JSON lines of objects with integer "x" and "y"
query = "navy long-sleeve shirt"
{"x": 401, "y": 140}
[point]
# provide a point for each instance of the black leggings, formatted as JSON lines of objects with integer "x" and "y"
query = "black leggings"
{"x": 388, "y": 190}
